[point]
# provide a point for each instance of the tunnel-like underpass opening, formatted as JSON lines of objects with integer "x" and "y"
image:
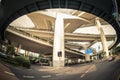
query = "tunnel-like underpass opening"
{"x": 34, "y": 32}
{"x": 28, "y": 7}
{"x": 78, "y": 6}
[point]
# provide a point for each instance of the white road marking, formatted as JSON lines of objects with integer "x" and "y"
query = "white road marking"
{"x": 86, "y": 71}
{"x": 9, "y": 73}
{"x": 28, "y": 76}
{"x": 82, "y": 75}
{"x": 90, "y": 67}
{"x": 58, "y": 74}
{"x": 47, "y": 76}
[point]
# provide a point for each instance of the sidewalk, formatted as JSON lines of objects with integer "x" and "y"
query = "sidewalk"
{"x": 6, "y": 73}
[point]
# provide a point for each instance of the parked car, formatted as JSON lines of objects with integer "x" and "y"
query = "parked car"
{"x": 3, "y": 55}
{"x": 111, "y": 58}
{"x": 45, "y": 62}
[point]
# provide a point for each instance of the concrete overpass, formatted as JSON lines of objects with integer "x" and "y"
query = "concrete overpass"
{"x": 45, "y": 35}
{"x": 97, "y": 8}
{"x": 34, "y": 44}
{"x": 27, "y": 38}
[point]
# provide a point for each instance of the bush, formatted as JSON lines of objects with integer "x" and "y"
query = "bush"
{"x": 26, "y": 64}
{"x": 3, "y": 55}
{"x": 116, "y": 51}
{"x": 23, "y": 61}
{"x": 10, "y": 50}
{"x": 10, "y": 61}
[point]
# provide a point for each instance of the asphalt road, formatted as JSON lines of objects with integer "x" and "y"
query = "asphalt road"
{"x": 94, "y": 71}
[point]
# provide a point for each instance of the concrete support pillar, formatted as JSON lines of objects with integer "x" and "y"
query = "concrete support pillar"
{"x": 25, "y": 54}
{"x": 87, "y": 56}
{"x": 103, "y": 38}
{"x": 18, "y": 48}
{"x": 58, "y": 48}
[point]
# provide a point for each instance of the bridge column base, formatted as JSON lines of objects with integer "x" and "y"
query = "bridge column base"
{"x": 58, "y": 63}
{"x": 58, "y": 48}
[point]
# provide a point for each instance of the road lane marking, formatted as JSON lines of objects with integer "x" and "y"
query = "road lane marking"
{"x": 29, "y": 76}
{"x": 82, "y": 75}
{"x": 86, "y": 71}
{"x": 9, "y": 73}
{"x": 47, "y": 76}
{"x": 18, "y": 68}
{"x": 90, "y": 67}
{"x": 58, "y": 74}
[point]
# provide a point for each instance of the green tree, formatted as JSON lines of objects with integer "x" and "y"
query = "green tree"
{"x": 10, "y": 50}
{"x": 116, "y": 50}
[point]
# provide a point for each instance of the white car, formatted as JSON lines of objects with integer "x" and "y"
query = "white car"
{"x": 111, "y": 58}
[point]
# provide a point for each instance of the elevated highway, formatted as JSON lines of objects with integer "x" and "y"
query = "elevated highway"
{"x": 68, "y": 36}
{"x": 37, "y": 45}
{"x": 27, "y": 38}
{"x": 99, "y": 8}
{"x": 10, "y": 12}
